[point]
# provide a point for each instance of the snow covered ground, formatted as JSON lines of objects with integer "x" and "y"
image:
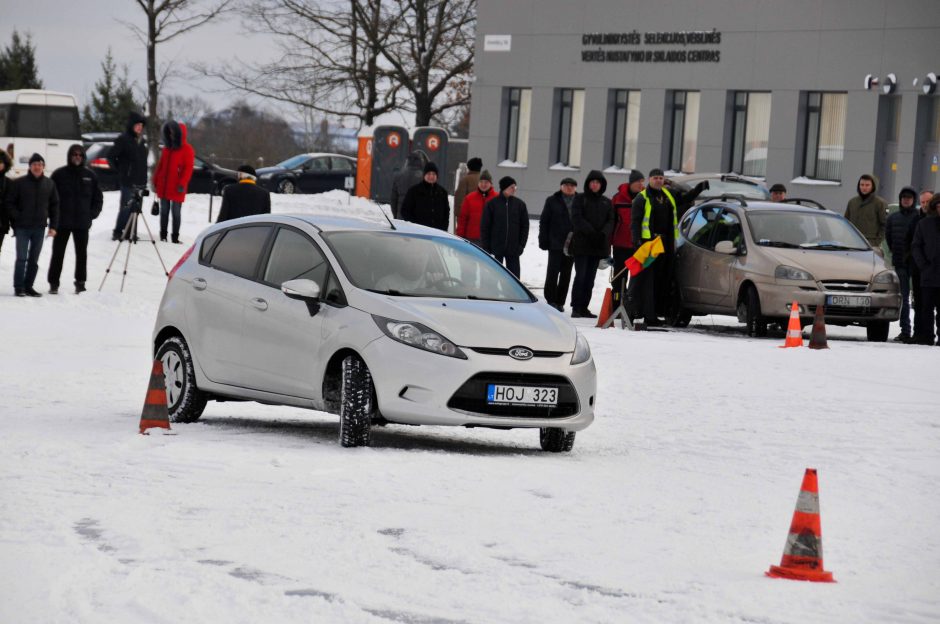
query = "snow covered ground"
{"x": 669, "y": 509}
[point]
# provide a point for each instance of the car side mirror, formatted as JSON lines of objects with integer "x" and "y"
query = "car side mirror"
{"x": 304, "y": 290}
{"x": 726, "y": 247}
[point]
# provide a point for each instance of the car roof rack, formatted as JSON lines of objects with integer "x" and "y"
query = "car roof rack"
{"x": 800, "y": 201}
{"x": 727, "y": 197}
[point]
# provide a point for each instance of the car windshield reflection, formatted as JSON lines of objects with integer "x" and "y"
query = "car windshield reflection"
{"x": 293, "y": 162}
{"x": 412, "y": 265}
{"x": 805, "y": 230}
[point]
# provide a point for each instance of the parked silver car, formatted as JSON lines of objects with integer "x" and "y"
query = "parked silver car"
{"x": 378, "y": 322}
{"x": 754, "y": 258}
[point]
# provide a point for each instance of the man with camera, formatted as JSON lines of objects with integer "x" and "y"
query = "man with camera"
{"x": 31, "y": 203}
{"x": 129, "y": 157}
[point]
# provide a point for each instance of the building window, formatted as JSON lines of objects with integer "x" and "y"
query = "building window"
{"x": 568, "y": 124}
{"x": 684, "y": 138}
{"x": 516, "y": 114}
{"x": 750, "y": 131}
{"x": 825, "y": 135}
{"x": 625, "y": 128}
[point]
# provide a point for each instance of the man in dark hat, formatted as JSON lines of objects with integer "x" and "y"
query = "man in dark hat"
{"x": 778, "y": 192}
{"x": 504, "y": 227}
{"x": 128, "y": 157}
{"x": 426, "y": 202}
{"x": 411, "y": 174}
{"x": 592, "y": 217}
{"x": 32, "y": 202}
{"x": 554, "y": 232}
{"x": 467, "y": 184}
{"x": 245, "y": 198}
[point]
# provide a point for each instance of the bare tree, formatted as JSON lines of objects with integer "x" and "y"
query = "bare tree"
{"x": 166, "y": 20}
{"x": 189, "y": 110}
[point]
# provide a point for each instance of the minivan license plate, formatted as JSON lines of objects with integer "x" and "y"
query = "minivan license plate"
{"x": 848, "y": 301}
{"x": 521, "y": 395}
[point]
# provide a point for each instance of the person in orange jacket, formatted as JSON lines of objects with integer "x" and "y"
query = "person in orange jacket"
{"x": 471, "y": 209}
{"x": 172, "y": 175}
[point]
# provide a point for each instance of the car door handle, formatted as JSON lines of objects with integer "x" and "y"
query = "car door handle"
{"x": 259, "y": 303}
{"x": 199, "y": 283}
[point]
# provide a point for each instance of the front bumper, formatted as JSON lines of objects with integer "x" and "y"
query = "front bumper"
{"x": 776, "y": 299}
{"x": 422, "y": 388}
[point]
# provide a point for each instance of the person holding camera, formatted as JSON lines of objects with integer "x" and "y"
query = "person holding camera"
{"x": 172, "y": 175}
{"x": 32, "y": 202}
{"x": 128, "y": 157}
{"x": 80, "y": 201}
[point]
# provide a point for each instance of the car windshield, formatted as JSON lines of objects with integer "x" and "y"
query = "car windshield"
{"x": 718, "y": 187}
{"x": 807, "y": 230}
{"x": 293, "y": 162}
{"x": 414, "y": 265}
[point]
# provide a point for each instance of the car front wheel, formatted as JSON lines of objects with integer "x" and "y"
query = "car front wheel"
{"x": 185, "y": 402}
{"x": 355, "y": 411}
{"x": 286, "y": 187}
{"x": 877, "y": 331}
{"x": 555, "y": 440}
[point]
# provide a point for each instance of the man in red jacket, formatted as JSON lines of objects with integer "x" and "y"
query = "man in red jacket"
{"x": 622, "y": 239}
{"x": 171, "y": 178}
{"x": 471, "y": 209}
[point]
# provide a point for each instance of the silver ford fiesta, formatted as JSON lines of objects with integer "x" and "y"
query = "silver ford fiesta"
{"x": 378, "y": 322}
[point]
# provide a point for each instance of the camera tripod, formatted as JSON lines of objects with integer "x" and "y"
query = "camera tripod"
{"x": 129, "y": 236}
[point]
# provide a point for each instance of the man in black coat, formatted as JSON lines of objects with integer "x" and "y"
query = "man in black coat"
{"x": 128, "y": 157}
{"x": 916, "y": 296}
{"x": 4, "y": 184}
{"x": 32, "y": 202}
{"x": 656, "y": 213}
{"x": 926, "y": 252}
{"x": 409, "y": 176}
{"x": 504, "y": 226}
{"x": 593, "y": 219}
{"x": 426, "y": 202}
{"x": 554, "y": 229}
{"x": 80, "y": 202}
{"x": 244, "y": 198}
{"x": 895, "y": 235}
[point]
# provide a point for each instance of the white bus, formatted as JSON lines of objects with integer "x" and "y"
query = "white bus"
{"x": 34, "y": 121}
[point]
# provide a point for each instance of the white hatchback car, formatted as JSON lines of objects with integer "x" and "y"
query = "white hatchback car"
{"x": 379, "y": 323}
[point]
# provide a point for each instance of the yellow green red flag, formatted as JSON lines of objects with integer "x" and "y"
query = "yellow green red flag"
{"x": 644, "y": 256}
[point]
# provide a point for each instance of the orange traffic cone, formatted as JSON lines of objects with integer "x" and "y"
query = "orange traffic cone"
{"x": 794, "y": 329}
{"x": 155, "y": 413}
{"x": 802, "y": 555}
{"x": 607, "y": 308}
{"x": 817, "y": 339}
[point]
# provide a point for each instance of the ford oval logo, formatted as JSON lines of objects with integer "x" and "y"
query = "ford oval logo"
{"x": 521, "y": 353}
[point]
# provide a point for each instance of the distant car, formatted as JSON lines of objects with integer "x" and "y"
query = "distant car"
{"x": 752, "y": 259}
{"x": 722, "y": 184}
{"x": 207, "y": 177}
{"x": 375, "y": 322}
{"x": 308, "y": 173}
{"x": 90, "y": 138}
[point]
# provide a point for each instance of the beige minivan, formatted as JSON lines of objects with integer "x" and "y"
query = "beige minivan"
{"x": 752, "y": 259}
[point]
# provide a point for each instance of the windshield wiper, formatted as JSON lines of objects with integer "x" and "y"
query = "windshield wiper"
{"x": 830, "y": 245}
{"x": 770, "y": 243}
{"x": 392, "y": 292}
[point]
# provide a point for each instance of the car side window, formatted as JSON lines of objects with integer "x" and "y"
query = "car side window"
{"x": 198, "y": 163}
{"x": 728, "y": 228}
{"x": 318, "y": 164}
{"x": 703, "y": 223}
{"x": 207, "y": 244}
{"x": 341, "y": 164}
{"x": 240, "y": 249}
{"x": 294, "y": 256}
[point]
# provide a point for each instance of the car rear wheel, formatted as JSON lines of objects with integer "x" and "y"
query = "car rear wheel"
{"x": 185, "y": 402}
{"x": 355, "y": 411}
{"x": 749, "y": 311}
{"x": 286, "y": 187}
{"x": 877, "y": 331}
{"x": 555, "y": 440}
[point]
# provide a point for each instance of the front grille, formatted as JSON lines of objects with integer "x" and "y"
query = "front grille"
{"x": 471, "y": 396}
{"x": 542, "y": 354}
{"x": 845, "y": 286}
{"x": 847, "y": 311}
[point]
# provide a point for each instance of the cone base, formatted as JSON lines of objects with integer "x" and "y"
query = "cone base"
{"x": 799, "y": 574}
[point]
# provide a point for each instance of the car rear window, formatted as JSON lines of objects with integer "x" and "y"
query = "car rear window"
{"x": 240, "y": 249}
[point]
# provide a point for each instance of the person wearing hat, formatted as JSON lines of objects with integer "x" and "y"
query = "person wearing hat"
{"x": 504, "y": 226}
{"x": 32, "y": 203}
{"x": 426, "y": 202}
{"x": 5, "y": 164}
{"x": 656, "y": 213}
{"x": 592, "y": 217}
{"x": 554, "y": 232}
{"x": 467, "y": 184}
{"x": 128, "y": 157}
{"x": 172, "y": 175}
{"x": 778, "y": 192}
{"x": 411, "y": 174}
{"x": 896, "y": 228}
{"x": 471, "y": 210}
{"x": 622, "y": 240}
{"x": 245, "y": 198}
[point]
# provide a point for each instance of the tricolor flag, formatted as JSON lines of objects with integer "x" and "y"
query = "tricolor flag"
{"x": 644, "y": 256}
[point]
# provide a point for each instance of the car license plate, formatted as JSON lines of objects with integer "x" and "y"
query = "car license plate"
{"x": 521, "y": 395}
{"x": 848, "y": 301}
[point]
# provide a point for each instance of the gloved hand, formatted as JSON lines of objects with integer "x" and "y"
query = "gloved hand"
{"x": 179, "y": 189}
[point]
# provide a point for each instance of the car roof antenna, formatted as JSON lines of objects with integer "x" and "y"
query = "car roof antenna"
{"x": 390, "y": 224}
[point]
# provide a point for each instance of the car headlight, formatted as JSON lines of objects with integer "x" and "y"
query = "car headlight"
{"x": 791, "y": 273}
{"x": 885, "y": 277}
{"x": 418, "y": 336}
{"x": 582, "y": 350}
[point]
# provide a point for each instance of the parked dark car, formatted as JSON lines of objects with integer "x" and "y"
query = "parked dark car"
{"x": 207, "y": 177}
{"x": 308, "y": 173}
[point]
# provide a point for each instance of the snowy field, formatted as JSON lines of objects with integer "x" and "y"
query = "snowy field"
{"x": 669, "y": 509}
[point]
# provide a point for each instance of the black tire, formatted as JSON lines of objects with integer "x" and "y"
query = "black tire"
{"x": 185, "y": 402}
{"x": 355, "y": 412}
{"x": 877, "y": 331}
{"x": 555, "y": 440}
{"x": 755, "y": 324}
{"x": 287, "y": 187}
